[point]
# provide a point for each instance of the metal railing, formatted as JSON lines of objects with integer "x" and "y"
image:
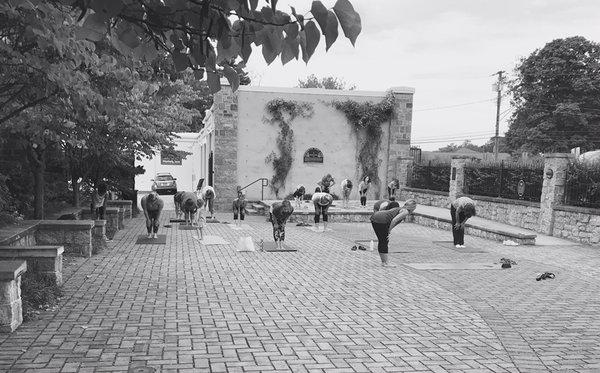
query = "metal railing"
{"x": 264, "y": 183}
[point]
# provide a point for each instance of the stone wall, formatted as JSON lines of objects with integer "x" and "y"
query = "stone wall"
{"x": 74, "y": 235}
{"x": 333, "y": 217}
{"x": 426, "y": 197}
{"x": 522, "y": 214}
{"x": 578, "y": 223}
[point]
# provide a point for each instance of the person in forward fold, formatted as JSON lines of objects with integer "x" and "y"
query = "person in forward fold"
{"x": 239, "y": 208}
{"x": 279, "y": 213}
{"x": 152, "y": 206}
{"x": 326, "y": 183}
{"x": 346, "y": 190}
{"x": 99, "y": 198}
{"x": 190, "y": 204}
{"x": 177, "y": 200}
{"x": 363, "y": 188}
{"x": 385, "y": 204}
{"x": 321, "y": 201}
{"x": 461, "y": 209}
{"x": 208, "y": 196}
{"x": 384, "y": 221}
{"x": 299, "y": 195}
{"x": 393, "y": 186}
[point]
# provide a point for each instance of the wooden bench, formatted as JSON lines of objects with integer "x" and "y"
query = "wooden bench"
{"x": 40, "y": 259}
{"x": 11, "y": 308}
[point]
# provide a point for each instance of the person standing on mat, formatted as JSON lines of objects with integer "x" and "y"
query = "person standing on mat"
{"x": 208, "y": 196}
{"x": 461, "y": 209}
{"x": 393, "y": 186}
{"x": 279, "y": 214}
{"x": 99, "y": 198}
{"x": 321, "y": 201}
{"x": 299, "y": 195}
{"x": 239, "y": 207}
{"x": 346, "y": 190}
{"x": 190, "y": 203}
{"x": 177, "y": 200}
{"x": 363, "y": 188}
{"x": 152, "y": 206}
{"x": 384, "y": 221}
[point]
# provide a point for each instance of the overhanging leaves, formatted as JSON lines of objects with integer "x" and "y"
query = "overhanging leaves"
{"x": 349, "y": 19}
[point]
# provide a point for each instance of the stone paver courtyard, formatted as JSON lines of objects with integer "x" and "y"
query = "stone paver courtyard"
{"x": 192, "y": 308}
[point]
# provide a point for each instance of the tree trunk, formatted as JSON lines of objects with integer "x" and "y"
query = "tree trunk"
{"x": 38, "y": 165}
{"x": 75, "y": 185}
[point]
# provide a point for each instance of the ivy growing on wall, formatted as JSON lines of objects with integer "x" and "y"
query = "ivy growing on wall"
{"x": 366, "y": 119}
{"x": 283, "y": 112}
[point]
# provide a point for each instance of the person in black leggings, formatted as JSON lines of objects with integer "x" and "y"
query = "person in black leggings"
{"x": 279, "y": 213}
{"x": 461, "y": 210}
{"x": 321, "y": 201}
{"x": 384, "y": 221}
{"x": 363, "y": 188}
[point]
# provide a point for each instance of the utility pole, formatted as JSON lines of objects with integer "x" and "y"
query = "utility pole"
{"x": 498, "y": 102}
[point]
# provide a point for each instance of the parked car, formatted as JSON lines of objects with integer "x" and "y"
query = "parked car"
{"x": 164, "y": 183}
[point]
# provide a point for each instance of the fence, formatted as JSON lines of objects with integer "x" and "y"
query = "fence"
{"x": 432, "y": 176}
{"x": 505, "y": 180}
{"x": 582, "y": 185}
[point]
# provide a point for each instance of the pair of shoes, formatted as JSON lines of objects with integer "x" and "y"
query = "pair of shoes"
{"x": 388, "y": 264}
{"x": 149, "y": 235}
{"x": 545, "y": 275}
{"x": 154, "y": 235}
{"x": 460, "y": 246}
{"x": 354, "y": 248}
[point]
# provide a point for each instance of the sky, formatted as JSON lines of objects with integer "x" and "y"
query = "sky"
{"x": 446, "y": 50}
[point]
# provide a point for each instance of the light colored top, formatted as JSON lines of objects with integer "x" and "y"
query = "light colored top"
{"x": 99, "y": 200}
{"x": 208, "y": 192}
{"x": 317, "y": 197}
{"x": 345, "y": 184}
{"x": 363, "y": 187}
{"x": 461, "y": 202}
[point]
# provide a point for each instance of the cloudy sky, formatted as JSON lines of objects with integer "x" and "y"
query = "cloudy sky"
{"x": 446, "y": 50}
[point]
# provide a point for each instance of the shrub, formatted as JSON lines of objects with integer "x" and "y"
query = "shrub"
{"x": 583, "y": 185}
{"x": 38, "y": 292}
{"x": 432, "y": 176}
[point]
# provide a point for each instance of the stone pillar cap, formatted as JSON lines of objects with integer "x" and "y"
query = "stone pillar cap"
{"x": 559, "y": 155}
{"x": 402, "y": 90}
{"x": 11, "y": 269}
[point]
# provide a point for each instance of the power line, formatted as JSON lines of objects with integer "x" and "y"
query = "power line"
{"x": 457, "y": 105}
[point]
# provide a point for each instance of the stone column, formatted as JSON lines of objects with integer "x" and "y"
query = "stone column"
{"x": 399, "y": 134}
{"x": 99, "y": 239}
{"x": 403, "y": 165}
{"x": 225, "y": 116}
{"x": 11, "y": 308}
{"x": 121, "y": 218}
{"x": 457, "y": 177}
{"x": 553, "y": 189}
{"x": 112, "y": 221}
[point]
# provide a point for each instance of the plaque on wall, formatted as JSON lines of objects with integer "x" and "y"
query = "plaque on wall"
{"x": 313, "y": 155}
{"x": 167, "y": 158}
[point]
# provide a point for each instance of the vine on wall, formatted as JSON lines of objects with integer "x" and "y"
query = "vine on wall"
{"x": 283, "y": 112}
{"x": 366, "y": 119}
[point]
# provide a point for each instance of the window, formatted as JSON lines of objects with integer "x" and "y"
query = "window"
{"x": 313, "y": 155}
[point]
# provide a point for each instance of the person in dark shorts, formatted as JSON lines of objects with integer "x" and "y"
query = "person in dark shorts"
{"x": 239, "y": 208}
{"x": 321, "y": 201}
{"x": 279, "y": 214}
{"x": 461, "y": 209}
{"x": 177, "y": 200}
{"x": 393, "y": 186}
{"x": 346, "y": 190}
{"x": 363, "y": 188}
{"x": 299, "y": 195}
{"x": 384, "y": 221}
{"x": 99, "y": 198}
{"x": 152, "y": 206}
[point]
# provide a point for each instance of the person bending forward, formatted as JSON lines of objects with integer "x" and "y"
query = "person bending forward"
{"x": 152, "y": 206}
{"x": 346, "y": 190}
{"x": 383, "y": 222}
{"x": 321, "y": 201}
{"x": 461, "y": 210}
{"x": 280, "y": 213}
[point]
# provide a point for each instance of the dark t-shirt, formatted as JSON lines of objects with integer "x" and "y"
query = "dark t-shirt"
{"x": 385, "y": 216}
{"x": 189, "y": 202}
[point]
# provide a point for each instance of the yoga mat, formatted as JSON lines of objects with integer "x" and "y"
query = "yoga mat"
{"x": 453, "y": 266}
{"x": 320, "y": 230}
{"x": 212, "y": 240}
{"x": 183, "y": 227}
{"x": 176, "y": 220}
{"x": 143, "y": 240}
{"x": 213, "y": 220}
{"x": 272, "y": 247}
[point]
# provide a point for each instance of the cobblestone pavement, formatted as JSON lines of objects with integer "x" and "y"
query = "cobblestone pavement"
{"x": 191, "y": 308}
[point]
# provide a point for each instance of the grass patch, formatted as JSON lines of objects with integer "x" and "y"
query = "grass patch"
{"x": 38, "y": 293}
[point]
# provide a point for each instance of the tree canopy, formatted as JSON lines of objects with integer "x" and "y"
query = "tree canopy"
{"x": 556, "y": 95}
{"x": 328, "y": 82}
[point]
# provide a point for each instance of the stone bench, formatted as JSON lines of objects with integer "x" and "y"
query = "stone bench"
{"x": 126, "y": 205}
{"x": 474, "y": 229}
{"x": 99, "y": 238}
{"x": 11, "y": 307}
{"x": 74, "y": 235}
{"x": 111, "y": 222}
{"x": 40, "y": 259}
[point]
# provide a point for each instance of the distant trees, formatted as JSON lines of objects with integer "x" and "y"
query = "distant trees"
{"x": 556, "y": 96}
{"x": 328, "y": 82}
